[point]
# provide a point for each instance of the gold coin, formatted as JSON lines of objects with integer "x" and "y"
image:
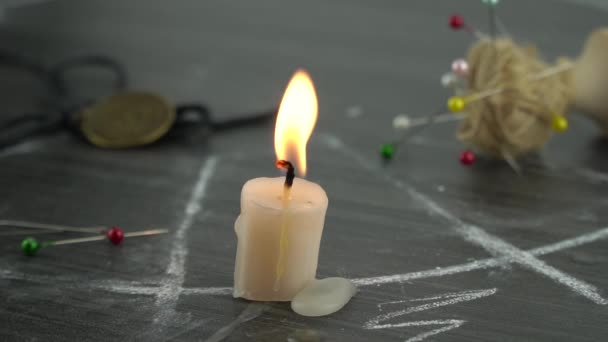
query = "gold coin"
{"x": 127, "y": 119}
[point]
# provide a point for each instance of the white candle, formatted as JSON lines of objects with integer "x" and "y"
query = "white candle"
{"x": 258, "y": 230}
{"x": 280, "y": 226}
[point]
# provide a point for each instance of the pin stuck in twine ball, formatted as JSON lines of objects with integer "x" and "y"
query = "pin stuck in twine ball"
{"x": 518, "y": 117}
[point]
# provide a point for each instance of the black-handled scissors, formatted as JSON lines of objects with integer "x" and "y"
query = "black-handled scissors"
{"x": 16, "y": 129}
{"x": 63, "y": 111}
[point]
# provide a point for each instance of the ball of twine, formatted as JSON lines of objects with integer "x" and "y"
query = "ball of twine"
{"x": 517, "y": 118}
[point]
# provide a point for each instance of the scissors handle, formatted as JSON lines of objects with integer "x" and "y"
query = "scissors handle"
{"x": 200, "y": 115}
{"x": 15, "y": 130}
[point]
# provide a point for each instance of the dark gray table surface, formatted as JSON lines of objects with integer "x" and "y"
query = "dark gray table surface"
{"x": 440, "y": 252}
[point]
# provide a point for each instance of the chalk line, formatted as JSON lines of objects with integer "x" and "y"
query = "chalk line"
{"x": 459, "y": 294}
{"x": 117, "y": 286}
{"x": 449, "y": 324}
{"x": 434, "y": 272}
{"x": 171, "y": 286}
{"x": 593, "y": 175}
{"x": 483, "y": 263}
{"x": 444, "y": 300}
{"x": 128, "y": 288}
{"x": 448, "y": 299}
{"x": 499, "y": 247}
{"x": 494, "y": 245}
{"x": 187, "y": 328}
{"x": 252, "y": 311}
{"x": 419, "y": 140}
{"x": 21, "y": 148}
{"x": 570, "y": 243}
{"x": 213, "y": 291}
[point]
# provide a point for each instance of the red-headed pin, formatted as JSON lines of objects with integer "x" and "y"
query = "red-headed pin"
{"x": 467, "y": 157}
{"x": 457, "y": 22}
{"x": 115, "y": 235}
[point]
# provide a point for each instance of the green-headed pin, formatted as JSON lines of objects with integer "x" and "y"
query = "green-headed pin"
{"x": 387, "y": 151}
{"x": 30, "y": 246}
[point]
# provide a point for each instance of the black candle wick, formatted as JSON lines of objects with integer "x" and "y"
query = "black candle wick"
{"x": 291, "y": 174}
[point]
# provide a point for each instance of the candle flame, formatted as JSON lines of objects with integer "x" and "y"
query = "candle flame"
{"x": 295, "y": 121}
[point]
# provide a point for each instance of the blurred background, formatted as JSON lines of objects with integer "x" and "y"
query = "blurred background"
{"x": 237, "y": 55}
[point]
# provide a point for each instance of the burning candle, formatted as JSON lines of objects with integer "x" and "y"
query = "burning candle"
{"x": 281, "y": 222}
